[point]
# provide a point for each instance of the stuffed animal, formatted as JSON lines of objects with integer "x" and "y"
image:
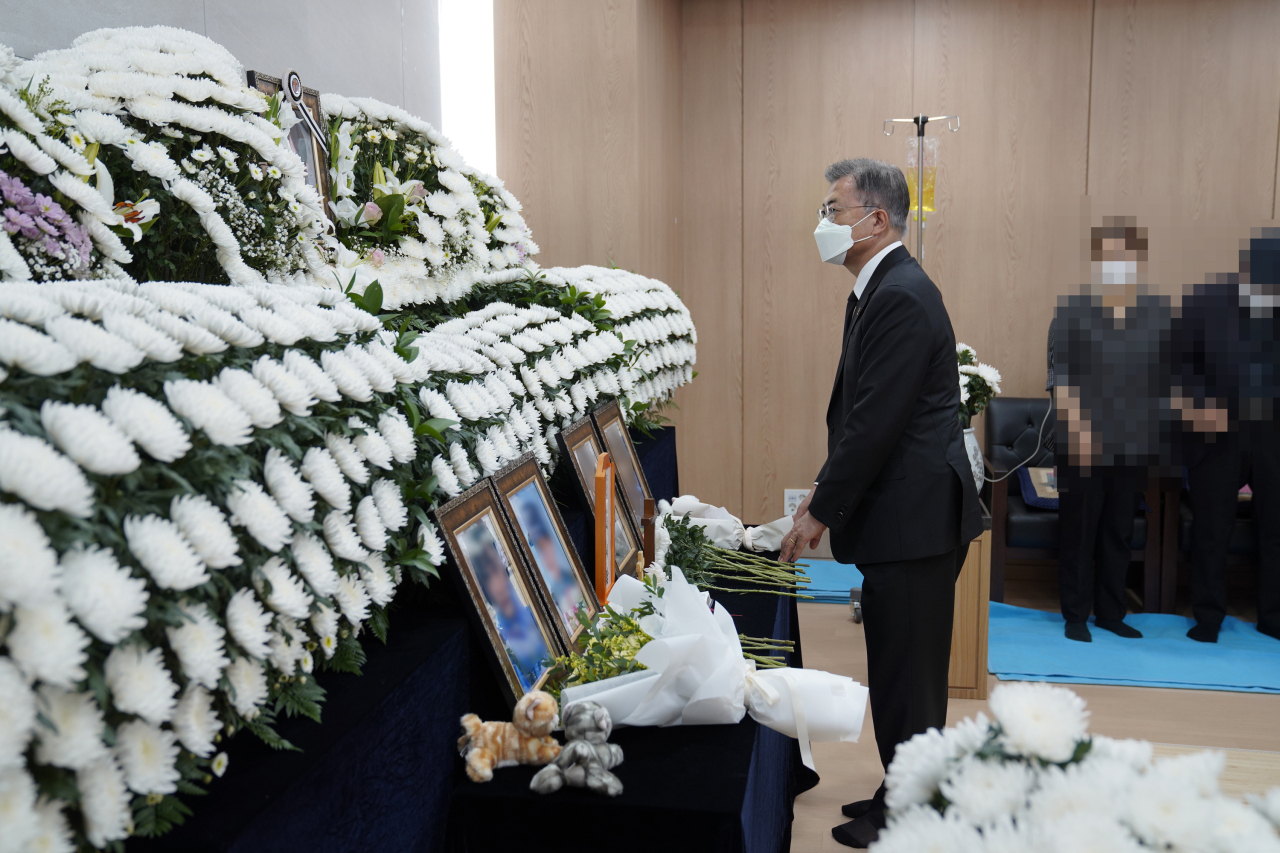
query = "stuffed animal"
{"x": 525, "y": 740}
{"x": 586, "y": 759}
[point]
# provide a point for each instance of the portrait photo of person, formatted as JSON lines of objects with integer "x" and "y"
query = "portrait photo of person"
{"x": 508, "y": 601}
{"x": 549, "y": 553}
{"x": 585, "y": 455}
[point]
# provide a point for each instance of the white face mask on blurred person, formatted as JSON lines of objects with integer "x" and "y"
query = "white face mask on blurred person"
{"x": 1115, "y": 272}
{"x": 834, "y": 241}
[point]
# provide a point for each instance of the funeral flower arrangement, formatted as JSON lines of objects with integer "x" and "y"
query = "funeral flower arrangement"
{"x": 410, "y": 212}
{"x": 1033, "y": 779}
{"x": 210, "y": 492}
{"x": 978, "y": 384}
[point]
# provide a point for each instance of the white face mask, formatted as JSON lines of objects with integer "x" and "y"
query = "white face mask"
{"x": 834, "y": 241}
{"x": 1115, "y": 272}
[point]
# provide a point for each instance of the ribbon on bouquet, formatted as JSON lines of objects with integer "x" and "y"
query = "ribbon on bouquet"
{"x": 697, "y": 676}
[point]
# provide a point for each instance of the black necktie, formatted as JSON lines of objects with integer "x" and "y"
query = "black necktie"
{"x": 849, "y": 308}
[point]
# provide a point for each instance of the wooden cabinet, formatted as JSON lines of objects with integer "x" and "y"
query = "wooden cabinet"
{"x": 967, "y": 678}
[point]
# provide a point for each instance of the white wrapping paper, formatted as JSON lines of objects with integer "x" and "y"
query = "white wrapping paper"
{"x": 768, "y": 537}
{"x": 721, "y": 527}
{"x": 696, "y": 675}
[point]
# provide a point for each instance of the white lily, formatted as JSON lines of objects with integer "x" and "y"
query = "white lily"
{"x": 394, "y": 186}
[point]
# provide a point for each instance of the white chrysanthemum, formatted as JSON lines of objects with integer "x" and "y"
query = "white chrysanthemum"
{"x": 325, "y": 476}
{"x": 53, "y": 835}
{"x": 75, "y": 740}
{"x": 1167, "y": 813}
{"x": 487, "y": 456}
{"x": 371, "y": 445}
{"x": 198, "y": 643}
{"x": 501, "y": 445}
{"x": 250, "y": 395}
{"x": 249, "y": 623}
{"x": 446, "y": 477}
{"x": 193, "y": 338}
{"x": 208, "y": 408}
{"x": 1093, "y": 789}
{"x": 41, "y": 476}
{"x": 322, "y": 387}
{"x": 352, "y": 599}
{"x": 19, "y": 823}
{"x": 462, "y": 465}
{"x": 156, "y": 344}
{"x": 290, "y": 390}
{"x": 342, "y": 538}
{"x": 377, "y": 375}
{"x": 1039, "y": 720}
{"x": 378, "y": 582}
{"x": 288, "y": 646}
{"x": 438, "y": 405}
{"x": 346, "y": 375}
{"x": 33, "y": 351}
{"x": 984, "y": 791}
{"x": 205, "y": 527}
{"x": 256, "y": 511}
{"x": 17, "y": 714}
{"x": 1134, "y": 753}
{"x": 348, "y": 458}
{"x": 94, "y": 344}
{"x": 1268, "y": 806}
{"x": 430, "y": 542}
{"x": 287, "y": 596}
{"x": 398, "y": 435}
{"x": 391, "y": 508}
{"x": 921, "y": 829}
{"x": 89, "y": 438}
{"x": 29, "y": 570}
{"x": 164, "y": 552}
{"x": 315, "y": 563}
{"x": 148, "y": 422}
{"x": 47, "y": 645}
{"x": 104, "y": 802}
{"x": 369, "y": 525}
{"x": 919, "y": 766}
{"x": 287, "y": 486}
{"x": 104, "y": 596}
{"x": 139, "y": 683}
{"x": 195, "y": 721}
{"x": 325, "y": 623}
{"x": 248, "y": 680}
{"x": 148, "y": 755}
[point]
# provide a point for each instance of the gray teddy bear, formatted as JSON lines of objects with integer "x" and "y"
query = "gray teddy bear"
{"x": 586, "y": 758}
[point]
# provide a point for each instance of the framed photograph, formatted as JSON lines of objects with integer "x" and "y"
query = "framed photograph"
{"x": 494, "y": 576}
{"x": 558, "y": 574}
{"x": 581, "y": 446}
{"x": 309, "y": 138}
{"x": 631, "y": 479}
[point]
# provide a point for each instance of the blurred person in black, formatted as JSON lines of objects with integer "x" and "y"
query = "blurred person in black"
{"x": 1108, "y": 347}
{"x": 1225, "y": 384}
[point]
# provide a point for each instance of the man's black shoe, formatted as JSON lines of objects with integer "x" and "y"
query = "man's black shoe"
{"x": 858, "y": 809}
{"x": 860, "y": 833}
{"x": 1202, "y": 632}
{"x": 1079, "y": 632}
{"x": 1120, "y": 629}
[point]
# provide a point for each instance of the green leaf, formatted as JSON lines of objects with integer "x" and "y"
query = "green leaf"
{"x": 373, "y": 298}
{"x": 434, "y": 427}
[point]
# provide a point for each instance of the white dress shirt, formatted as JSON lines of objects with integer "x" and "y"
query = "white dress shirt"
{"x": 870, "y": 269}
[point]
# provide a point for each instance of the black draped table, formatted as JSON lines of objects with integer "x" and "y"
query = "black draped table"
{"x": 382, "y": 772}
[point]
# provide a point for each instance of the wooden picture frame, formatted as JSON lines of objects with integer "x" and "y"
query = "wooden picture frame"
{"x": 580, "y": 444}
{"x": 309, "y": 138}
{"x": 630, "y": 475}
{"x": 556, "y": 569}
{"x": 491, "y": 572}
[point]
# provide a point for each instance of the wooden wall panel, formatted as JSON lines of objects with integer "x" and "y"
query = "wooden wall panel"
{"x": 1005, "y": 239}
{"x": 709, "y": 420}
{"x": 818, "y": 78}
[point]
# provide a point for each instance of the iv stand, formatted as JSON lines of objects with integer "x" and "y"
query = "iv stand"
{"x": 919, "y": 121}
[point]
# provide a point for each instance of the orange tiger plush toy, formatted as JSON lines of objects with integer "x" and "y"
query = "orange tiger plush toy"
{"x": 525, "y": 740}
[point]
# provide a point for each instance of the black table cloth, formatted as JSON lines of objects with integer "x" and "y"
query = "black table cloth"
{"x": 698, "y": 788}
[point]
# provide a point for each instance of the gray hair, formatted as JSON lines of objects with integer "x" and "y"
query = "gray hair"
{"x": 879, "y": 184}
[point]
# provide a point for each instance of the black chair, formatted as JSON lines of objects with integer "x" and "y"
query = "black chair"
{"x": 1242, "y": 548}
{"x": 1021, "y": 532}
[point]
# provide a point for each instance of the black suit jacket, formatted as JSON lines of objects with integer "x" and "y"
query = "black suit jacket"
{"x": 896, "y": 484}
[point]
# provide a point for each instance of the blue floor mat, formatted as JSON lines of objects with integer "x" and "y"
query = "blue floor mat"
{"x": 829, "y": 581}
{"x": 1028, "y": 645}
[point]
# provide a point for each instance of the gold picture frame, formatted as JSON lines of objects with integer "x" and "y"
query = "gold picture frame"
{"x": 490, "y": 569}
{"x": 309, "y": 138}
{"x": 557, "y": 571}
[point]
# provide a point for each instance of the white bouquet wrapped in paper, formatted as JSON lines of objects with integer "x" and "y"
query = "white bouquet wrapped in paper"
{"x": 696, "y": 675}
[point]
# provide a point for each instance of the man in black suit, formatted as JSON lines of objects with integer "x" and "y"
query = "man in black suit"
{"x": 896, "y": 491}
